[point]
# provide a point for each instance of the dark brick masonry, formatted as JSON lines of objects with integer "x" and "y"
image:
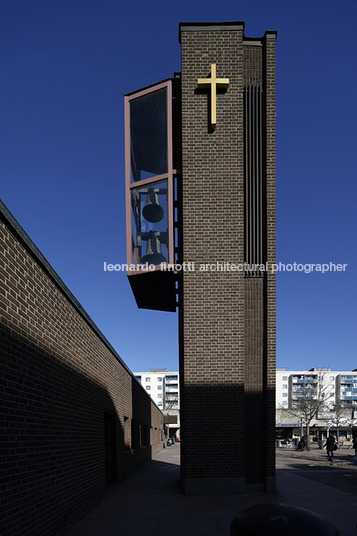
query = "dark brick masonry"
{"x": 227, "y": 319}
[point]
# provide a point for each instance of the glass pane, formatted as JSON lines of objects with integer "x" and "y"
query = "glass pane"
{"x": 148, "y": 133}
{"x": 149, "y": 224}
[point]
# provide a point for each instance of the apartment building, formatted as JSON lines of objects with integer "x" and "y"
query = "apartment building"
{"x": 337, "y": 386}
{"x": 162, "y": 386}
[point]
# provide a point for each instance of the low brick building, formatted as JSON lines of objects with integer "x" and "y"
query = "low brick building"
{"x": 74, "y": 418}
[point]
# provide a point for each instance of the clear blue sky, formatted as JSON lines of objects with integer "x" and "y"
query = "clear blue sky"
{"x": 65, "y": 67}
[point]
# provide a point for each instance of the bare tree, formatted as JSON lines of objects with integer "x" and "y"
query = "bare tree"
{"x": 337, "y": 416}
{"x": 307, "y": 397}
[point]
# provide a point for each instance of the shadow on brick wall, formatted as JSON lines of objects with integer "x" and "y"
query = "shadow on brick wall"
{"x": 62, "y": 440}
{"x": 227, "y": 434}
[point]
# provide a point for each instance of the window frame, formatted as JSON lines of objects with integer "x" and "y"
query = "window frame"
{"x": 169, "y": 176}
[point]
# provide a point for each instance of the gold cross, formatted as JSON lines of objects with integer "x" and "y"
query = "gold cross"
{"x": 214, "y": 83}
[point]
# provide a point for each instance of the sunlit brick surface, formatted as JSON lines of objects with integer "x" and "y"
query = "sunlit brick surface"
{"x": 227, "y": 321}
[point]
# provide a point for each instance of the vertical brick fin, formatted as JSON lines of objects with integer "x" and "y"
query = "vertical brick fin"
{"x": 254, "y": 179}
{"x": 254, "y": 380}
{"x": 270, "y": 291}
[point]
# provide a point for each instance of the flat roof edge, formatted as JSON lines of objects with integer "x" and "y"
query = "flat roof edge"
{"x": 207, "y": 26}
{"x": 271, "y": 34}
{"x": 221, "y": 26}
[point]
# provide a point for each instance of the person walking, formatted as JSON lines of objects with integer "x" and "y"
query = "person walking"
{"x": 354, "y": 443}
{"x": 304, "y": 442}
{"x": 330, "y": 447}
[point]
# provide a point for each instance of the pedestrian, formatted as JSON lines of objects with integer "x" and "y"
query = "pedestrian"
{"x": 354, "y": 443}
{"x": 330, "y": 446}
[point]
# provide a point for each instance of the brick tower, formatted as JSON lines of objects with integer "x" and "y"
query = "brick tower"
{"x": 227, "y": 309}
{"x": 200, "y": 183}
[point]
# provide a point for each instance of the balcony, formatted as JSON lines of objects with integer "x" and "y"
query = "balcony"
{"x": 305, "y": 380}
{"x": 169, "y": 388}
{"x": 171, "y": 379}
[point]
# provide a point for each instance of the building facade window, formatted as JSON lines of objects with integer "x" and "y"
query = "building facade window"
{"x": 148, "y": 136}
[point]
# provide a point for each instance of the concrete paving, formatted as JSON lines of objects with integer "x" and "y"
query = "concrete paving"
{"x": 151, "y": 501}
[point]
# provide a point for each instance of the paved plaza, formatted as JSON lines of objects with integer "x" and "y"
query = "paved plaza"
{"x": 151, "y": 502}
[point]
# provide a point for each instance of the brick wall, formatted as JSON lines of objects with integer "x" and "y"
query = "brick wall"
{"x": 227, "y": 321}
{"x": 66, "y": 398}
{"x": 270, "y": 38}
